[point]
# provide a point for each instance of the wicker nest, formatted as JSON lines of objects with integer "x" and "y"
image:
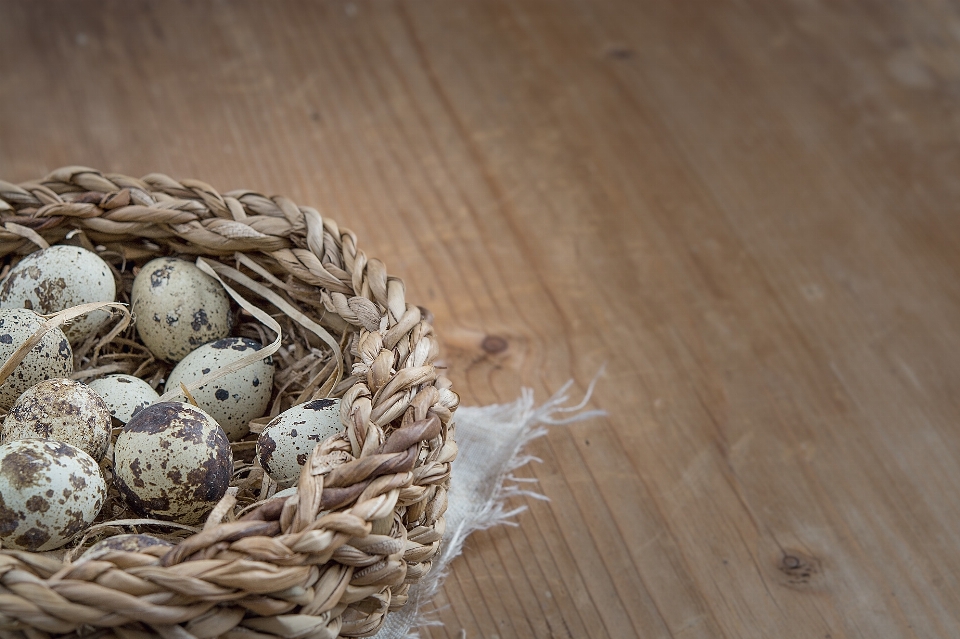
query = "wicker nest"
{"x": 367, "y": 518}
